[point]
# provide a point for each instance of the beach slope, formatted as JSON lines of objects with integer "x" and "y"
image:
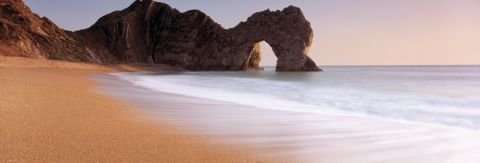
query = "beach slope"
{"x": 50, "y": 112}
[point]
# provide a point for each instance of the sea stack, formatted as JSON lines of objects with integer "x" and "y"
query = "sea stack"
{"x": 155, "y": 33}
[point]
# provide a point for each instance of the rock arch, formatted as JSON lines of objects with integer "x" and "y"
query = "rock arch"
{"x": 150, "y": 31}
{"x": 287, "y": 32}
{"x": 153, "y": 32}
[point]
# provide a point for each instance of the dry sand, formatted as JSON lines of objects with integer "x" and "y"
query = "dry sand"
{"x": 50, "y": 112}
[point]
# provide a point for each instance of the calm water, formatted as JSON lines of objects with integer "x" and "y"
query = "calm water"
{"x": 345, "y": 114}
{"x": 440, "y": 95}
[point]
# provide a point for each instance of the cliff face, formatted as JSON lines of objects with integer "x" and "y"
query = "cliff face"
{"x": 23, "y": 33}
{"x": 153, "y": 32}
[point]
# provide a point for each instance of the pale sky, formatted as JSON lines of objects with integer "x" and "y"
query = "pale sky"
{"x": 347, "y": 32}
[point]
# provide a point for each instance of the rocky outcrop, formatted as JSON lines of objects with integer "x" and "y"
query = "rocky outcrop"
{"x": 23, "y": 33}
{"x": 153, "y": 32}
{"x": 287, "y": 32}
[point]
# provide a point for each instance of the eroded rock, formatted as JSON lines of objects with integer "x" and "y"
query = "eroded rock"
{"x": 153, "y": 32}
{"x": 23, "y": 33}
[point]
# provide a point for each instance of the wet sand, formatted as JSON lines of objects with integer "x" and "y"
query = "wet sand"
{"x": 51, "y": 111}
{"x": 300, "y": 136}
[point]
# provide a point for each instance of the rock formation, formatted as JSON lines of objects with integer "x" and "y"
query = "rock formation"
{"x": 23, "y": 33}
{"x": 153, "y": 32}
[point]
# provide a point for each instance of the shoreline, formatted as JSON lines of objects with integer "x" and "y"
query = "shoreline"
{"x": 70, "y": 112}
{"x": 301, "y": 136}
{"x": 162, "y": 107}
{"x": 51, "y": 111}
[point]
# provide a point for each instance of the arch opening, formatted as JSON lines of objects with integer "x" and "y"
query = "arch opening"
{"x": 268, "y": 60}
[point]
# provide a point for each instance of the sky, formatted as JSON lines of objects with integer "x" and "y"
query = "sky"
{"x": 346, "y": 32}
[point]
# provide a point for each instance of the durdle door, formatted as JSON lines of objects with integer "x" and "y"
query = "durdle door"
{"x": 153, "y": 32}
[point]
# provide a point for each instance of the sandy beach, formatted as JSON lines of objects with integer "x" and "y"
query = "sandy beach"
{"x": 249, "y": 81}
{"x": 51, "y": 112}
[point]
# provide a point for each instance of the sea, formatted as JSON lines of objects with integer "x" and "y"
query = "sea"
{"x": 343, "y": 114}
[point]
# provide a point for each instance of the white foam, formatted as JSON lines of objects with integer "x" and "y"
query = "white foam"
{"x": 264, "y": 101}
{"x": 325, "y": 98}
{"x": 441, "y": 128}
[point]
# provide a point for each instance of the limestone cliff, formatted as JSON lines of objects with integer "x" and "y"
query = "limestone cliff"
{"x": 153, "y": 32}
{"x": 23, "y": 33}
